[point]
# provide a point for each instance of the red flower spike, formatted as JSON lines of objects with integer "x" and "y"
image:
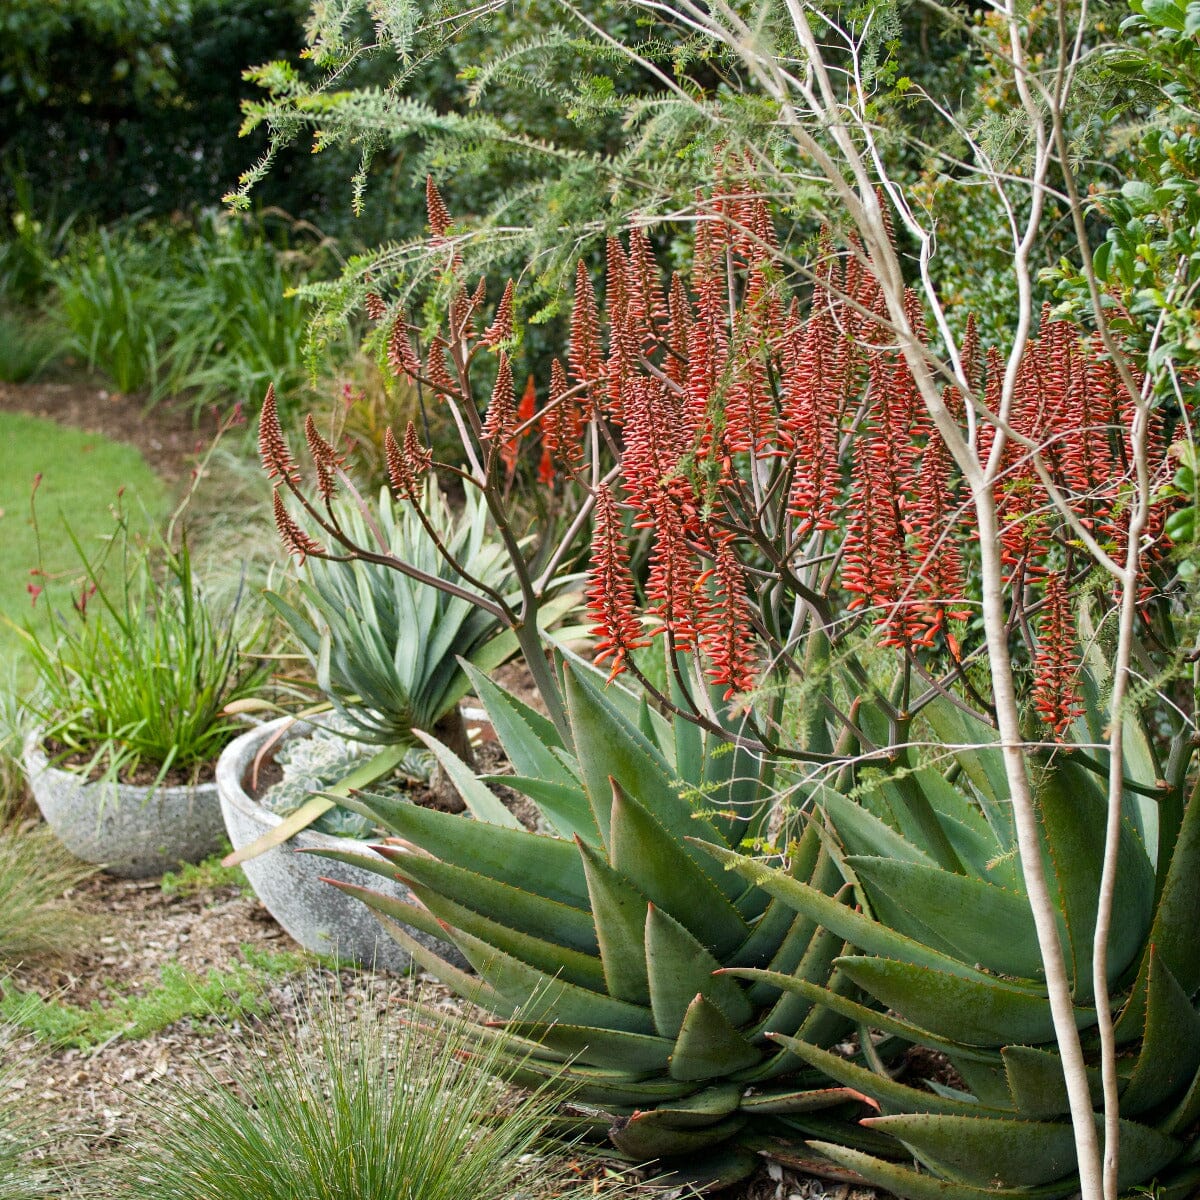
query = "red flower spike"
{"x": 295, "y": 540}
{"x": 679, "y": 330}
{"x": 647, "y": 311}
{"x": 585, "y": 359}
{"x": 375, "y": 306}
{"x": 545, "y": 470}
{"x": 418, "y": 456}
{"x": 610, "y": 600}
{"x": 939, "y": 562}
{"x": 436, "y": 369}
{"x": 400, "y": 355}
{"x": 652, "y": 445}
{"x": 324, "y": 457}
{"x": 501, "y": 328}
{"x": 726, "y": 638}
{"x": 398, "y": 468}
{"x": 272, "y": 446}
{"x": 561, "y": 424}
{"x": 501, "y": 417}
{"x": 1055, "y": 688}
{"x": 674, "y": 586}
{"x": 439, "y": 218}
{"x": 523, "y": 423}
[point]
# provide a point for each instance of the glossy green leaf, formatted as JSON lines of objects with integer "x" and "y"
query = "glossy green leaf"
{"x": 544, "y": 997}
{"x": 977, "y": 922}
{"x": 619, "y": 912}
{"x": 523, "y": 910}
{"x": 852, "y": 926}
{"x": 655, "y": 862}
{"x": 1170, "y": 1051}
{"x": 709, "y": 1046}
{"x": 483, "y": 803}
{"x": 679, "y": 969}
{"x": 1037, "y": 1084}
{"x": 908, "y": 1184}
{"x": 611, "y": 1049}
{"x": 974, "y": 1011}
{"x": 513, "y": 856}
{"x": 704, "y": 1107}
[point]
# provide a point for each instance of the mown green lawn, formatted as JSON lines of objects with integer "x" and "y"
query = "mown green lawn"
{"x": 81, "y": 475}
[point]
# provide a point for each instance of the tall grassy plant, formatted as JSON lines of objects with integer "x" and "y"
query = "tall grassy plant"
{"x": 19, "y": 1178}
{"x": 140, "y": 669}
{"x": 355, "y": 1110}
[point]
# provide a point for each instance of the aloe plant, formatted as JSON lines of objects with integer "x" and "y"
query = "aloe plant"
{"x": 622, "y": 929}
{"x": 385, "y": 647}
{"x": 947, "y": 958}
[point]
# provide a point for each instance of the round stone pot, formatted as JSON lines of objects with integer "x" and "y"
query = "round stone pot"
{"x": 131, "y": 831}
{"x": 292, "y": 885}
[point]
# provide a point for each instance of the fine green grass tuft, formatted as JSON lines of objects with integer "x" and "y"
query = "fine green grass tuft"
{"x": 240, "y": 990}
{"x": 360, "y": 1108}
{"x": 28, "y": 344}
{"x": 198, "y": 879}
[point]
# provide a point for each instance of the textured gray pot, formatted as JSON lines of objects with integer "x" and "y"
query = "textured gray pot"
{"x": 132, "y": 831}
{"x": 320, "y": 917}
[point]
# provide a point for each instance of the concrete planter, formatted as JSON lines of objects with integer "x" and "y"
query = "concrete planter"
{"x": 132, "y": 831}
{"x": 290, "y": 885}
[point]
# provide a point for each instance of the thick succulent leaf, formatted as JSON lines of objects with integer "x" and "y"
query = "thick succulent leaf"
{"x": 645, "y": 1136}
{"x": 977, "y": 753}
{"x": 552, "y": 957}
{"x": 975, "y": 1011}
{"x": 791, "y": 1007}
{"x": 998, "y": 935}
{"x": 703, "y": 1107}
{"x": 543, "y": 997}
{"x": 889, "y": 1094}
{"x": 799, "y": 1100}
{"x": 902, "y": 795}
{"x": 655, "y": 862}
{"x": 852, "y": 926}
{"x": 712, "y": 1170}
{"x": 861, "y": 832}
{"x": 527, "y": 736}
{"x": 619, "y": 913}
{"x": 617, "y": 1092}
{"x": 472, "y": 988}
{"x": 564, "y": 806}
{"x": 679, "y": 969}
{"x": 1037, "y": 1084}
{"x": 514, "y": 856}
{"x": 983, "y": 1150}
{"x": 1170, "y": 1052}
{"x": 709, "y": 1046}
{"x": 524, "y": 911}
{"x": 975, "y": 841}
{"x": 1185, "y": 1113}
{"x": 403, "y": 911}
{"x": 779, "y": 925}
{"x": 1173, "y": 933}
{"x": 908, "y": 1184}
{"x": 859, "y": 1013}
{"x": 1072, "y": 810}
{"x": 483, "y": 803}
{"x": 609, "y": 748}
{"x": 611, "y": 1049}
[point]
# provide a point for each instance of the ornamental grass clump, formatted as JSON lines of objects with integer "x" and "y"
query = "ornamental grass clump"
{"x": 134, "y": 676}
{"x": 354, "y": 1107}
{"x": 876, "y": 567}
